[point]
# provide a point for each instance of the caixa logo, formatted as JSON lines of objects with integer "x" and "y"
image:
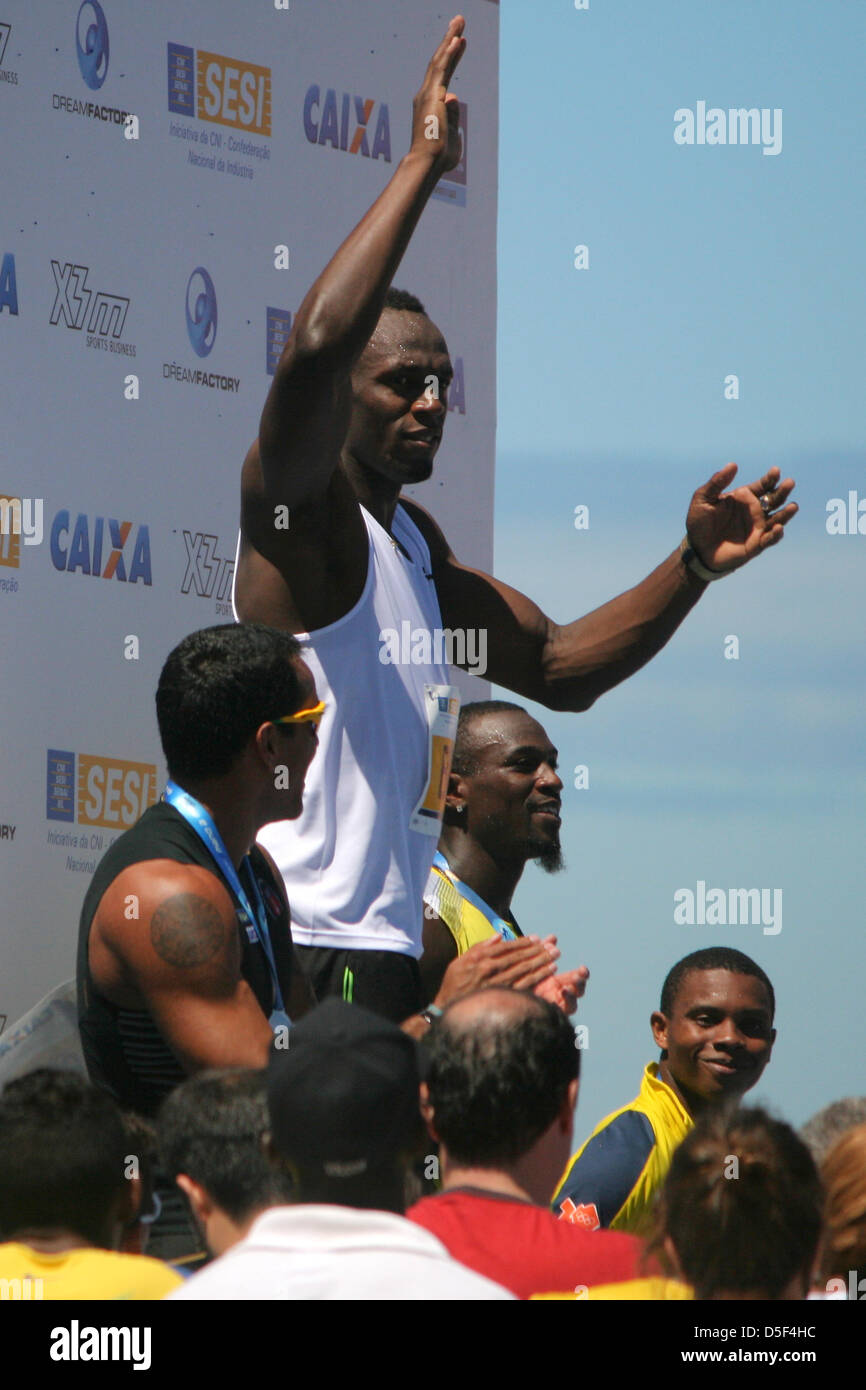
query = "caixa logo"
{"x": 111, "y": 792}
{"x": 91, "y": 41}
{"x": 201, "y": 311}
{"x": 344, "y": 123}
{"x": 77, "y": 546}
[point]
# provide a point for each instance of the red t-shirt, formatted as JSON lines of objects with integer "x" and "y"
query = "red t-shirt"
{"x": 525, "y": 1247}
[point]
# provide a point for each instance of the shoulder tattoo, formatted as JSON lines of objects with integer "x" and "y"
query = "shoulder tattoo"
{"x": 187, "y": 930}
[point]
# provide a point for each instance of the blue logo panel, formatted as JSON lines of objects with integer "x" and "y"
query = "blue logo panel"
{"x": 181, "y": 79}
{"x": 279, "y": 327}
{"x": 60, "y": 786}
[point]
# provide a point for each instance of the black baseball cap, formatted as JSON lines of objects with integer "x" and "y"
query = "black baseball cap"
{"x": 343, "y": 1093}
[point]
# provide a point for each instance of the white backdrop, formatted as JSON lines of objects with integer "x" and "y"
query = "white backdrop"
{"x": 257, "y": 127}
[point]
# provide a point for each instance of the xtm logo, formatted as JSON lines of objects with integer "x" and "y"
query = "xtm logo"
{"x": 111, "y": 792}
{"x": 8, "y": 285}
{"x": 81, "y": 554}
{"x": 72, "y": 301}
{"x": 5, "y": 74}
{"x": 201, "y": 311}
{"x": 210, "y": 576}
{"x": 91, "y": 40}
{"x": 323, "y": 126}
{"x": 227, "y": 91}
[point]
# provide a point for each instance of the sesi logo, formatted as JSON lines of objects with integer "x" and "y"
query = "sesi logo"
{"x": 110, "y": 792}
{"x": 77, "y": 548}
{"x": 345, "y": 123}
{"x": 113, "y": 792}
{"x": 226, "y": 91}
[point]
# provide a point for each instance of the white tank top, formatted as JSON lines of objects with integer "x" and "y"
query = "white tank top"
{"x": 354, "y": 868}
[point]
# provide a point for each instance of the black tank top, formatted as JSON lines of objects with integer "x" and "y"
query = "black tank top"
{"x": 124, "y": 1051}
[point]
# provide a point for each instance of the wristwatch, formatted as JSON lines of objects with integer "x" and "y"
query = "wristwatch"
{"x": 691, "y": 562}
{"x": 431, "y": 1013}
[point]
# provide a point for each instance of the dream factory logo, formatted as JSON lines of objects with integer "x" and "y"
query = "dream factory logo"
{"x": 201, "y": 328}
{"x": 91, "y": 41}
{"x": 201, "y": 311}
{"x": 91, "y": 47}
{"x": 77, "y": 305}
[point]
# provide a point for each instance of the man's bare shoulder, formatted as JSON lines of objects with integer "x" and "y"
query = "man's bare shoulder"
{"x": 157, "y": 915}
{"x": 299, "y": 568}
{"x": 429, "y": 527}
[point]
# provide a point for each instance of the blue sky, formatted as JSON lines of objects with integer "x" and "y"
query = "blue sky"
{"x": 703, "y": 261}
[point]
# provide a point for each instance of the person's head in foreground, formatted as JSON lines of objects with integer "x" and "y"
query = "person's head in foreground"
{"x": 714, "y": 1026}
{"x": 740, "y": 1213}
{"x": 229, "y": 704}
{"x": 344, "y": 1116}
{"x": 827, "y": 1126}
{"x": 844, "y": 1175}
{"x": 501, "y": 1090}
{"x": 211, "y": 1132}
{"x": 505, "y": 792}
{"x": 63, "y": 1164}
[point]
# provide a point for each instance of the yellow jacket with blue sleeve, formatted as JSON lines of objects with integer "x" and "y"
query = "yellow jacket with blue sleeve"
{"x": 613, "y": 1180}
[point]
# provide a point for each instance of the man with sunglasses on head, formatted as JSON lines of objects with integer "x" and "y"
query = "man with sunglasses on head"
{"x": 185, "y": 956}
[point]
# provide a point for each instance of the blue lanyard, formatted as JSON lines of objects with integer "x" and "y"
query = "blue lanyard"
{"x": 202, "y": 823}
{"x": 497, "y": 923}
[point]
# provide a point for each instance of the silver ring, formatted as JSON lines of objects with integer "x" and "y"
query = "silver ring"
{"x": 766, "y": 504}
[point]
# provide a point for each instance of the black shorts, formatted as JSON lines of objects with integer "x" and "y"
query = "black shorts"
{"x": 385, "y": 982}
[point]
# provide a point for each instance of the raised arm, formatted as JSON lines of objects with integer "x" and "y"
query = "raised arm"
{"x": 180, "y": 959}
{"x": 567, "y": 667}
{"x": 306, "y": 413}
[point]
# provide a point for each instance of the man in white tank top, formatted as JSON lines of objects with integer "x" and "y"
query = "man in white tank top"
{"x": 367, "y": 581}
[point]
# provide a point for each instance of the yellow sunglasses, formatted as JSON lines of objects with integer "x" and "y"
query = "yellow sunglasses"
{"x": 304, "y": 716}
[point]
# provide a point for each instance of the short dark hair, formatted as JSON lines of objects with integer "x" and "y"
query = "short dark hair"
{"x": 712, "y": 958}
{"x": 62, "y": 1152}
{"x": 402, "y": 299}
{"x": 215, "y": 689}
{"x": 497, "y": 1084}
{"x": 751, "y": 1228}
{"x": 211, "y": 1127}
{"x": 467, "y": 743}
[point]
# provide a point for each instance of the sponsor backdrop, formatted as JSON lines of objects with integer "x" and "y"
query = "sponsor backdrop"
{"x": 174, "y": 178}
